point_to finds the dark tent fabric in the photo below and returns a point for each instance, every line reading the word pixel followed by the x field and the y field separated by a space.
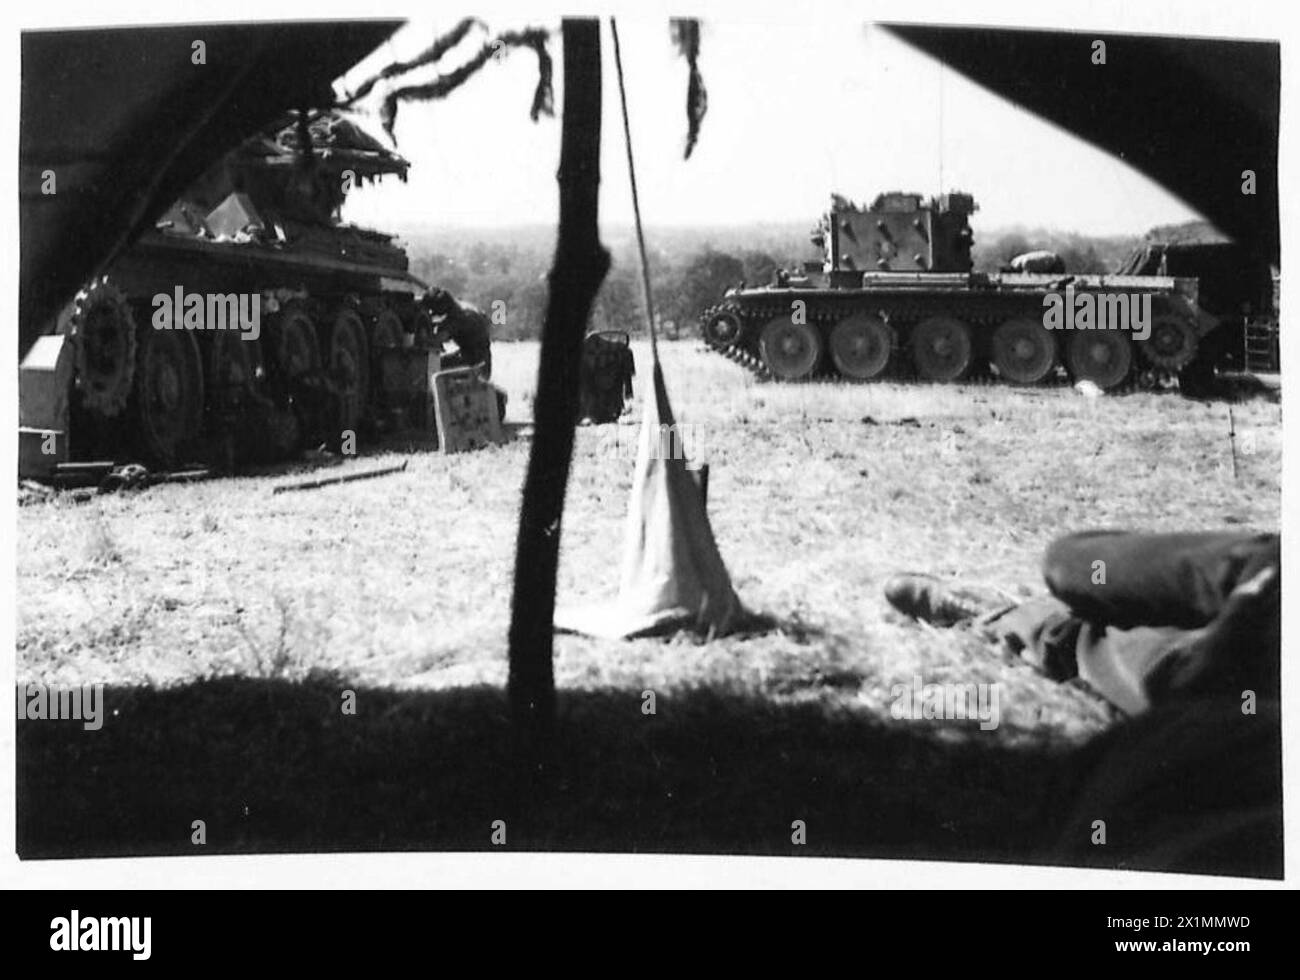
pixel 1191 113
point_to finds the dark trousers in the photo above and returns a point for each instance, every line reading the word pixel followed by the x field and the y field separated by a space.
pixel 1147 618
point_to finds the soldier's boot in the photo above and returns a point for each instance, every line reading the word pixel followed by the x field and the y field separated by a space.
pixel 929 598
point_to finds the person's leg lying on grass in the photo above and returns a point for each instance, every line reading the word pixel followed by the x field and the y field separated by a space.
pixel 1140 618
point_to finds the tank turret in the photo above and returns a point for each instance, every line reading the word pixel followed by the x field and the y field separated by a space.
pixel 898 233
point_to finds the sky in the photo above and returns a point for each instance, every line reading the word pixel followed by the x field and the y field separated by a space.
pixel 797 109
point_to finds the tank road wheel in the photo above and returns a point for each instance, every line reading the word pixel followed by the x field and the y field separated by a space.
pixel 1024 351
pixel 1103 357
pixel 790 350
pixel 389 373
pixel 941 349
pixel 104 333
pixel 237 411
pixel 347 362
pixel 386 330
pixel 234 367
pixel 860 346
pixel 168 397
pixel 295 350
pixel 1172 343
pixel 720 327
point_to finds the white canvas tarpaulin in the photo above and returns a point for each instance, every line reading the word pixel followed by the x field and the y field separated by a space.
pixel 673 577
pixel 672 574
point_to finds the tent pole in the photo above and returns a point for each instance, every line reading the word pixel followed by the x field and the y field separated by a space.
pixel 579 267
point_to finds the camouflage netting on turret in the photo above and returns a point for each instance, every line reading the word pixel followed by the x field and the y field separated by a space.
pixel 300 168
pixel 336 142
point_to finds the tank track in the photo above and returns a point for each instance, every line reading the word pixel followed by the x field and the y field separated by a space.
pixel 1146 374
pixel 753 316
pixel 734 352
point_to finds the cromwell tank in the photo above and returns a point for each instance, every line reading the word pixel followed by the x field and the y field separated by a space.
pixel 250 322
pixel 895 295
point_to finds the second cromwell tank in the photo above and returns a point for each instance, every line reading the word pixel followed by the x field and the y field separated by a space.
pixel 895 294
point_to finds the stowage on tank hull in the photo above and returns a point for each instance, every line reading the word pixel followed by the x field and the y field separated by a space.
pixel 895 295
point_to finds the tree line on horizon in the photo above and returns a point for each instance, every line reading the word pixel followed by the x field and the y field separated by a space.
pixel 505 275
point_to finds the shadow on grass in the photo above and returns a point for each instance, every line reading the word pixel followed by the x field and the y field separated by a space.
pixel 1240 387
pixel 275 766
pixel 410 442
pixel 1226 387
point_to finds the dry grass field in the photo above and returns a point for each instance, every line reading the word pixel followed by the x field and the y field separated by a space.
pixel 225 622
